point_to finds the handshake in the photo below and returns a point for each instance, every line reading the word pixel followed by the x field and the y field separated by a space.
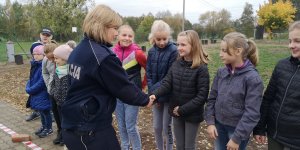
pixel 152 100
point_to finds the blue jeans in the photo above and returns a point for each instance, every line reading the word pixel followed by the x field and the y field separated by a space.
pixel 224 134
pixel 127 116
pixel 162 124
pixel 46 118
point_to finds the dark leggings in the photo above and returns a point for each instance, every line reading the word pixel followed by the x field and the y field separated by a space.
pixel 104 139
pixel 56 113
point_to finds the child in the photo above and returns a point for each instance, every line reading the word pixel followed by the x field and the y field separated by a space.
pixel 72 44
pixel 132 58
pixel 59 84
pixel 160 58
pixel 280 113
pixel 37 91
pixel 188 83
pixel 232 110
pixel 46 35
pixel 48 71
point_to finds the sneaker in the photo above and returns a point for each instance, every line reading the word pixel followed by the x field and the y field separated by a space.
pixel 45 133
pixel 34 115
pixel 39 131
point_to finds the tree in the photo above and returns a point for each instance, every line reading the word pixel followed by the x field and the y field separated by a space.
pixel 276 16
pixel 174 21
pixel 144 28
pixel 163 14
pixel 296 4
pixel 247 21
pixel 199 29
pixel 133 22
pixel 60 15
pixel 215 23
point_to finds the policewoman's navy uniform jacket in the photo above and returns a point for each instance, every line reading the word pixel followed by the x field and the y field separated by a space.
pixel 96 80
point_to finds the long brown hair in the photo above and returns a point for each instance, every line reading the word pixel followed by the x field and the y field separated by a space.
pixel 235 40
pixel 198 54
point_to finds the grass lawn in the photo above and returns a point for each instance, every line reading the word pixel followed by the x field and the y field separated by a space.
pixel 18 49
pixel 269 54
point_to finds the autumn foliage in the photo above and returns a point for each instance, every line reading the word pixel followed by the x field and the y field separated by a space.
pixel 276 16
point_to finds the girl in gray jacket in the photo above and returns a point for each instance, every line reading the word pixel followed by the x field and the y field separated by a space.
pixel 233 105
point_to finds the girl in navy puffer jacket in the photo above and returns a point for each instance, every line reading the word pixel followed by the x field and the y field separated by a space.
pixel 37 91
pixel 160 58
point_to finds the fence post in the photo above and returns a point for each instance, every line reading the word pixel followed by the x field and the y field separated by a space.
pixel 10 51
pixel 144 48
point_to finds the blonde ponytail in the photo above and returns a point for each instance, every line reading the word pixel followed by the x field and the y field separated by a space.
pixel 252 52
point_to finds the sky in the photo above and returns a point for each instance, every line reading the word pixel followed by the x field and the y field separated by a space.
pixel 193 8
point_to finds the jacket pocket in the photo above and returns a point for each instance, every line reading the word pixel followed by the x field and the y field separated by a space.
pixel 90 108
pixel 237 110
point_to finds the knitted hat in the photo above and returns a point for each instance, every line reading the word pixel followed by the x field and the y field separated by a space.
pixel 63 51
pixel 38 50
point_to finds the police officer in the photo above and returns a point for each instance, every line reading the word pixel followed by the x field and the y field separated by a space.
pixel 96 80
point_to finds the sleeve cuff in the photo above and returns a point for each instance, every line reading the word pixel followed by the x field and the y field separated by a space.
pixel 236 139
pixel 210 121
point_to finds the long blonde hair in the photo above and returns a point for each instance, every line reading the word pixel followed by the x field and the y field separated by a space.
pixel 97 22
pixel 235 40
pixel 159 26
pixel 198 54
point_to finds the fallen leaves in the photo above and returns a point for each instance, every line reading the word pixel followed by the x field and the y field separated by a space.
pixel 13 79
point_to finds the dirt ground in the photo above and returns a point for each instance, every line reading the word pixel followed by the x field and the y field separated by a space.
pixel 12 90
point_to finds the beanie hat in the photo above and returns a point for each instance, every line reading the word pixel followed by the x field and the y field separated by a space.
pixel 63 51
pixel 38 50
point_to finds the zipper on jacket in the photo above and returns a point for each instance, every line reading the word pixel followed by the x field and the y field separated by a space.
pixel 276 122
pixel 181 82
pixel 157 67
pixel 230 78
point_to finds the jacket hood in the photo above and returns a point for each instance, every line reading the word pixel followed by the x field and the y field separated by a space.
pixel 247 66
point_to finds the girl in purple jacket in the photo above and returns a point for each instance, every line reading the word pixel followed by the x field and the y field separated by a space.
pixel 233 105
